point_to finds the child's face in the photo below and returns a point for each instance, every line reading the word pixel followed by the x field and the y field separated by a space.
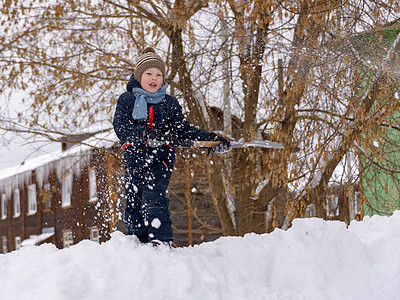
pixel 152 80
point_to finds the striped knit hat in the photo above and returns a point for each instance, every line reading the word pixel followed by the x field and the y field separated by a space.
pixel 148 59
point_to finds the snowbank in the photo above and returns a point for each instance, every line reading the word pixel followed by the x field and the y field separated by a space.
pixel 314 259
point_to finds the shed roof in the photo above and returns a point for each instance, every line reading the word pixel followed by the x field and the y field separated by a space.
pixel 37 239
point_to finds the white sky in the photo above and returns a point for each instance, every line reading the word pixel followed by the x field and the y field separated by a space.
pixel 14 149
pixel 18 151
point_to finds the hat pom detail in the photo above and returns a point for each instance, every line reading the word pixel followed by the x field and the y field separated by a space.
pixel 149 50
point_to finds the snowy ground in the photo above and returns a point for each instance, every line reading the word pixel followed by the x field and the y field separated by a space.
pixel 314 259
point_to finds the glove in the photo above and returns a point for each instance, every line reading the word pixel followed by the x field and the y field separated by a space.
pixel 224 146
pixel 153 137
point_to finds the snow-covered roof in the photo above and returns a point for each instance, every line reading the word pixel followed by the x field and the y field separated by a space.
pixel 63 159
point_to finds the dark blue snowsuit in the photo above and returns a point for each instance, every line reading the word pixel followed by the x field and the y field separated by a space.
pixel 148 170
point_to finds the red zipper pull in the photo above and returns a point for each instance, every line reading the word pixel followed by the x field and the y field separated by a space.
pixel 151 117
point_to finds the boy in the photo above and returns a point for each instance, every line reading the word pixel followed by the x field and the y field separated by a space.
pixel 144 115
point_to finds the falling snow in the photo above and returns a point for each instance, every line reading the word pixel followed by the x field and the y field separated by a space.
pixel 156 223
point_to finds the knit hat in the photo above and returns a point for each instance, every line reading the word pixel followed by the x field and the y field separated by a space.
pixel 148 59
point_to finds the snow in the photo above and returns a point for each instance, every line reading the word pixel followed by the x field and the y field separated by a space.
pixel 35 239
pixel 314 259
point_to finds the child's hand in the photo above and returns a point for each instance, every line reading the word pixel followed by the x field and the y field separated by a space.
pixel 224 146
pixel 153 137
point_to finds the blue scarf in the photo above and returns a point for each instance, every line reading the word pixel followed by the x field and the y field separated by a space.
pixel 143 98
